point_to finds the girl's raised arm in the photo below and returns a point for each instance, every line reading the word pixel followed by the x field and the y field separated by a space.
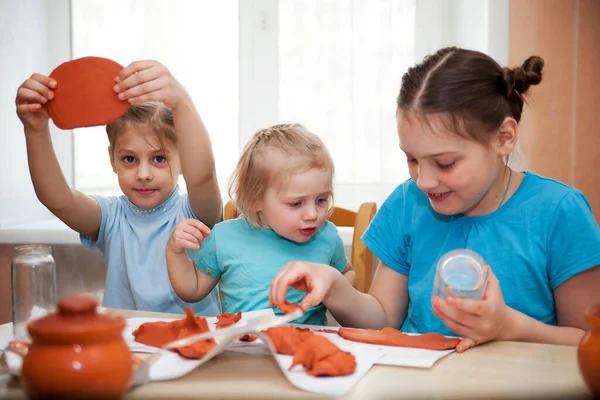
pixel 79 211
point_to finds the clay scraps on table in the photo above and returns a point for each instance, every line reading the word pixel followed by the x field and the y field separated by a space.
pixel 227 319
pixel 393 337
pixel 316 353
pixel 160 333
pixel 326 330
pixel 247 338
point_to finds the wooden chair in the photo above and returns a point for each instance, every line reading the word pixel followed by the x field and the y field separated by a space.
pixel 361 257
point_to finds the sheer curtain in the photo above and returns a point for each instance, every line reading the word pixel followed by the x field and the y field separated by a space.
pixel 339 64
pixel 196 40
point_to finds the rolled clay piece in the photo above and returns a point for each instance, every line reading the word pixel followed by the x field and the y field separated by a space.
pixel 84 94
pixel 393 337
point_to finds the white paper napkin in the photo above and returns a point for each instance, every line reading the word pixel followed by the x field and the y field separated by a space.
pixel 333 385
pixel 171 365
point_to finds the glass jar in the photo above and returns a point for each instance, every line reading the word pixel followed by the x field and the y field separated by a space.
pixel 33 281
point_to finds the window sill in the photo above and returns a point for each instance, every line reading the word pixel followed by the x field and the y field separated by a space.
pixel 48 231
pixel 54 231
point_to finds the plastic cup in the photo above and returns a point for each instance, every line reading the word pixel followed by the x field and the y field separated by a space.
pixel 461 273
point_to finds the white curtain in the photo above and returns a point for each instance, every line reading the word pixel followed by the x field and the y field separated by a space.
pixel 339 66
pixel 196 40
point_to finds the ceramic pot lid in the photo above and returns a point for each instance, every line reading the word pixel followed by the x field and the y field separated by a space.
pixel 76 321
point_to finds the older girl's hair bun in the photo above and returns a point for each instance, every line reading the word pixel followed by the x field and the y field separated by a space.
pixel 518 80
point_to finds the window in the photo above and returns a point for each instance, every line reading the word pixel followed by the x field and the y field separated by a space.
pixel 340 64
pixel 334 66
pixel 196 40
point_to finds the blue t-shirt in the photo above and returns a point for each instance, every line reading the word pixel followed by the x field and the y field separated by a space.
pixel 134 242
pixel 542 236
pixel 246 259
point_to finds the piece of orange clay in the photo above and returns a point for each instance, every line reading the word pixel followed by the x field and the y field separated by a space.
pixel 160 333
pixel 393 337
pixel 84 94
pixel 286 339
pixel 227 319
pixel 321 357
pixel 286 307
pixel 247 338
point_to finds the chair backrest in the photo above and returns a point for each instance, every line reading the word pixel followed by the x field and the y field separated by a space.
pixel 360 256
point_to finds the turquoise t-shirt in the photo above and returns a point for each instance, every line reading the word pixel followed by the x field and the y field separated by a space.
pixel 133 241
pixel 542 236
pixel 246 259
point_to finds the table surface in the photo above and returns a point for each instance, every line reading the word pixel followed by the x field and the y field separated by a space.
pixel 493 370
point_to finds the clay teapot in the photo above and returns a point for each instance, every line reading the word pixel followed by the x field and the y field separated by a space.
pixel 77 353
pixel 588 353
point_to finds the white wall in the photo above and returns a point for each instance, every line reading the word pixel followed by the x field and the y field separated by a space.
pixel 34 37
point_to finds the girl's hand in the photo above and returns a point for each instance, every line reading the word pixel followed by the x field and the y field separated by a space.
pixel 314 279
pixel 188 234
pixel 477 321
pixel 143 81
pixel 31 97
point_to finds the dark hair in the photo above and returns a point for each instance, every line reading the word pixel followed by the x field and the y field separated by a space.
pixel 469 88
pixel 153 114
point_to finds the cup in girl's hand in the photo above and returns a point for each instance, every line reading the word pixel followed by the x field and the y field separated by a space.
pixel 460 273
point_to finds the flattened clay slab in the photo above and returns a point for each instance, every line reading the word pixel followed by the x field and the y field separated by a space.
pixel 393 337
pixel 159 334
pixel 84 95
pixel 227 319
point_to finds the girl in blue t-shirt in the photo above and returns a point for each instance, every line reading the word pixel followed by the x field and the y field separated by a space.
pixel 458 114
pixel 149 147
pixel 283 189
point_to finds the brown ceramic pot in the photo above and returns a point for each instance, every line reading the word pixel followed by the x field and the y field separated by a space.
pixel 77 353
pixel 588 353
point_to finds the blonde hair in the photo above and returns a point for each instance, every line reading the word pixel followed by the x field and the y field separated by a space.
pixel 153 114
pixel 255 173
